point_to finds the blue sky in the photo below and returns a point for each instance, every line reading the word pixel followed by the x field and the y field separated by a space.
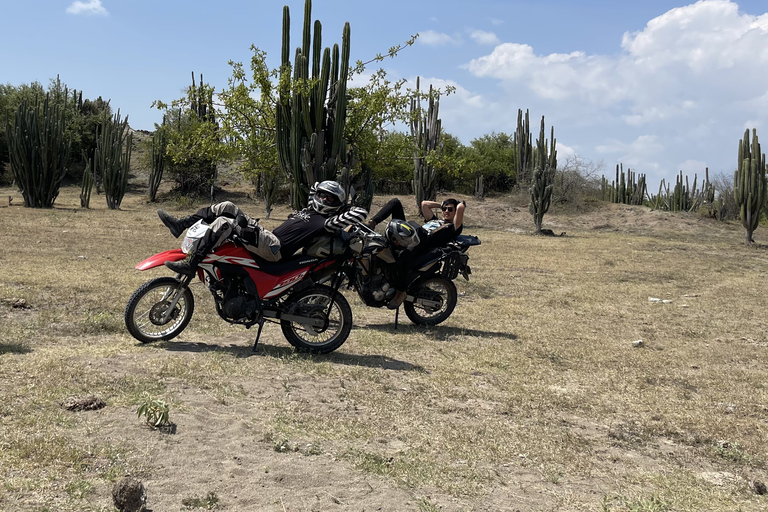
pixel 659 86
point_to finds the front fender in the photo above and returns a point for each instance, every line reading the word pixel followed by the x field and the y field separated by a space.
pixel 160 258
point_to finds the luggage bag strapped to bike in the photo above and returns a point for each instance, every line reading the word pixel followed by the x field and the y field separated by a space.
pixel 456 260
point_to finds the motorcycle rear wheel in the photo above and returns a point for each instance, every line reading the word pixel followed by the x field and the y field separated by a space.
pixel 313 302
pixel 143 314
pixel 434 289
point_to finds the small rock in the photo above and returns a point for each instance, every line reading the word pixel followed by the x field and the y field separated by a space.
pixel 654 299
pixel 758 487
pixel 638 343
pixel 129 495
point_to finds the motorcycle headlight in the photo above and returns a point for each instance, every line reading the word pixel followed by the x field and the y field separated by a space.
pixel 188 244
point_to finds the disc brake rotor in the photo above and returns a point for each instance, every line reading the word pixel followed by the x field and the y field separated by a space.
pixel 158 311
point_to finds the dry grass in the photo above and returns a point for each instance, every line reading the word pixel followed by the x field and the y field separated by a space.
pixel 530 397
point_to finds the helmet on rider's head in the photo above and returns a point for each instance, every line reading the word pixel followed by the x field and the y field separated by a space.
pixel 402 234
pixel 327 197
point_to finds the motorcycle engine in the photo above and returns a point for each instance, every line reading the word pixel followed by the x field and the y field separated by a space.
pixel 237 304
pixel 372 283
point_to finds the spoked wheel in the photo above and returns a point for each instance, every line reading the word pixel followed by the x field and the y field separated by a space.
pixel 433 301
pixel 145 314
pixel 313 303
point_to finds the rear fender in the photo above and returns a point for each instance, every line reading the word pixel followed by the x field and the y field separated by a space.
pixel 159 259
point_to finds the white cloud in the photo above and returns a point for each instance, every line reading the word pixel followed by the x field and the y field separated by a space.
pixel 432 38
pixel 691 167
pixel 496 22
pixel 483 37
pixel 679 90
pixel 563 151
pixel 89 7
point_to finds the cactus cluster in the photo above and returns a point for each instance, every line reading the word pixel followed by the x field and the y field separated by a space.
pixel 749 183
pixel 686 197
pixel 312 108
pixel 628 188
pixel 38 151
pixel 544 168
pixel 426 133
pixel 112 159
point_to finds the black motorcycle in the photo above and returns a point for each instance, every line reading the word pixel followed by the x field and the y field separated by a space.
pixel 432 295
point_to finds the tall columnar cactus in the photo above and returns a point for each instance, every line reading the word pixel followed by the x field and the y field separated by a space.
pixel 749 184
pixel 157 156
pixel 524 149
pixel 38 151
pixel 87 184
pixel 113 159
pixel 312 108
pixel 425 131
pixel 544 168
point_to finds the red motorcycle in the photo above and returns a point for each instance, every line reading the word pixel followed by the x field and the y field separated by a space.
pixel 248 291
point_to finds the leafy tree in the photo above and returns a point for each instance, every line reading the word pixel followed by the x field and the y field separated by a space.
pixel 194 143
pixel 493 157
pixel 247 117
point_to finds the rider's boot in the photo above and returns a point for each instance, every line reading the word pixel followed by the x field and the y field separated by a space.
pixel 397 300
pixel 177 226
pixel 188 266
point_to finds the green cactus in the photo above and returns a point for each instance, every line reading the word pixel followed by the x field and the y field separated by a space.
pixel 523 155
pixel 544 168
pixel 157 157
pixel 87 184
pixel 38 151
pixel 112 159
pixel 749 185
pixel 312 109
pixel 627 188
pixel 426 134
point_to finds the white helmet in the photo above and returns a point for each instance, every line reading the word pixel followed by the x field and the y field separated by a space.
pixel 327 197
pixel 402 234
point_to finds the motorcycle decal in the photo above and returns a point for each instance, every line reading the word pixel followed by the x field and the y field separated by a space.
pixel 233 260
pixel 285 284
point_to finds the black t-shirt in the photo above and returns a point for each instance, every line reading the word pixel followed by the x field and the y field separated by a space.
pixel 436 233
pixel 299 229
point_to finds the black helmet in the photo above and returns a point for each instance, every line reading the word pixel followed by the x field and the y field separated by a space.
pixel 327 197
pixel 402 234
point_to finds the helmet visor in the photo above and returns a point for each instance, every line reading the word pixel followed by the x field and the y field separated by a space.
pixel 327 198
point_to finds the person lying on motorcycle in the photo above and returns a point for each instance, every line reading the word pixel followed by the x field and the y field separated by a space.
pixel 452 213
pixel 323 214
pixel 411 240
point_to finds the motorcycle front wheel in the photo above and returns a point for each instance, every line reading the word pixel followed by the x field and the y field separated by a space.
pixel 313 302
pixel 147 306
pixel 433 301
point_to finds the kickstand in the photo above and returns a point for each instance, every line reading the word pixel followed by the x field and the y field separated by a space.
pixel 397 314
pixel 258 334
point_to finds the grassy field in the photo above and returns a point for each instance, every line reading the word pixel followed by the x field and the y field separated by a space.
pixel 533 396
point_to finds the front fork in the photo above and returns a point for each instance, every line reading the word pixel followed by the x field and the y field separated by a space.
pixel 174 295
